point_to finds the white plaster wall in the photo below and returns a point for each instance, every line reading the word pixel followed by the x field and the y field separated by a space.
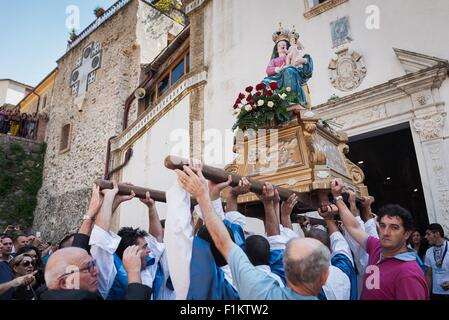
pixel 146 167
pixel 15 93
pixel 238 44
pixel 10 92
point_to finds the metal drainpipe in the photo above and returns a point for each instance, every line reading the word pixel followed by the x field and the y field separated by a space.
pixel 131 98
pixel 38 101
pixel 108 158
pixel 128 102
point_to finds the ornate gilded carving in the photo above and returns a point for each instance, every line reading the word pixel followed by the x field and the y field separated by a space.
pixel 347 71
pixel 429 127
pixel 330 151
pixel 232 168
pixel 355 172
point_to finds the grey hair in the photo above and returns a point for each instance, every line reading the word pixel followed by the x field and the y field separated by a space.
pixel 309 269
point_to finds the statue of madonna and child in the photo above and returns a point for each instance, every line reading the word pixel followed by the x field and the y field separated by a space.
pixel 289 66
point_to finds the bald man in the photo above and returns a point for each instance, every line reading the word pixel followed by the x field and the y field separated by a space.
pixel 71 274
pixel 306 261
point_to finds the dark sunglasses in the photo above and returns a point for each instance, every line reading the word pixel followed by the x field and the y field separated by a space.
pixel 26 263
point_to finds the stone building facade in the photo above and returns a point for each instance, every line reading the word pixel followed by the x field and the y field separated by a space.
pixel 87 107
pixel 374 69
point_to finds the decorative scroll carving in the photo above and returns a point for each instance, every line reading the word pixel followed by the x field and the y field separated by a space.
pixel 355 172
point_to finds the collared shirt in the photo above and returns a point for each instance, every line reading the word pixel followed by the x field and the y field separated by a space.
pixel 440 274
pixel 267 270
pixel 103 246
pixel 255 284
pixel 338 285
pixel 393 278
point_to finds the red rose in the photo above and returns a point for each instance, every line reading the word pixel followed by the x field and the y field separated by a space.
pixel 249 89
pixel 258 93
pixel 254 107
pixel 238 101
pixel 260 86
pixel 234 106
pixel 273 85
pixel 269 93
pixel 241 96
pixel 249 97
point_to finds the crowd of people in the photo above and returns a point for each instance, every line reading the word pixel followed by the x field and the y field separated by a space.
pixel 18 124
pixel 205 252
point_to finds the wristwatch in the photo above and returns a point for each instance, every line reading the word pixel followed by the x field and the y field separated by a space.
pixel 86 217
pixel 338 198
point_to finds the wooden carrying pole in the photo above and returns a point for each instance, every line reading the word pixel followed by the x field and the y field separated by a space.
pixel 125 189
pixel 218 175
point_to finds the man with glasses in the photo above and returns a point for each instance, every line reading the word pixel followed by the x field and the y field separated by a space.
pixel 71 274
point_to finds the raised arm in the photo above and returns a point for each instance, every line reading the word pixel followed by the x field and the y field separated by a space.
pixel 242 188
pixel 155 228
pixel 366 212
pixel 286 210
pixel 197 186
pixel 271 219
pixel 94 207
pixel 103 219
pixel 352 203
pixel 349 221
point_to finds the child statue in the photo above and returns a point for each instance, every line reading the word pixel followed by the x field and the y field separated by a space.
pixel 295 54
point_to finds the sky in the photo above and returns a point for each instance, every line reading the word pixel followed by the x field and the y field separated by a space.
pixel 34 34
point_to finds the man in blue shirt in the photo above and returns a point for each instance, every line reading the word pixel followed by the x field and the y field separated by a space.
pixel 306 261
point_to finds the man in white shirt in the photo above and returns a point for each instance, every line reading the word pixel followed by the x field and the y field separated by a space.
pixel 108 247
pixel 437 263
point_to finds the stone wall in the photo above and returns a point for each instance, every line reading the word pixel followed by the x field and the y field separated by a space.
pixel 21 162
pixel 68 176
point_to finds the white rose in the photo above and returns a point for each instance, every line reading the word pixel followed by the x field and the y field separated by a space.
pixel 288 89
pixel 270 104
pixel 282 96
pixel 260 102
pixel 248 108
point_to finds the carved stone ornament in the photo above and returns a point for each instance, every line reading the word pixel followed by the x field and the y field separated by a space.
pixel 347 71
pixel 429 127
pixel 84 72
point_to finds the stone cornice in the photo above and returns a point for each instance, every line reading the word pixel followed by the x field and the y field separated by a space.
pixel 320 8
pixel 394 89
pixel 412 61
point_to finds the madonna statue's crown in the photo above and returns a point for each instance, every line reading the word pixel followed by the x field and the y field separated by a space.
pixel 281 34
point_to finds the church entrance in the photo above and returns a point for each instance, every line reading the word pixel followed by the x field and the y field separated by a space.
pixel 388 159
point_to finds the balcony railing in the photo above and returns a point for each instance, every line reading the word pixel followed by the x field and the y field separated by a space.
pixel 98 22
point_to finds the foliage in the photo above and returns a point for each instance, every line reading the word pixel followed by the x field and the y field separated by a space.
pixel 168 5
pixel 20 181
pixel 265 104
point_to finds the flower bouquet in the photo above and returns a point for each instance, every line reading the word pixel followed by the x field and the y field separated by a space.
pixel 263 104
